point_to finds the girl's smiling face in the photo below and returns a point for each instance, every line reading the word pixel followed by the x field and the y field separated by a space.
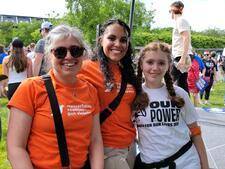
pixel 154 65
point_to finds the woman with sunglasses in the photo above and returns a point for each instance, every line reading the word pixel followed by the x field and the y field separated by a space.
pixel 31 139
pixel 104 71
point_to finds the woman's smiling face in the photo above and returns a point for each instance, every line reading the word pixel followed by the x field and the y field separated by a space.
pixel 115 42
pixel 69 66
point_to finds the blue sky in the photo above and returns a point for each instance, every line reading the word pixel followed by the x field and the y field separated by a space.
pixel 202 14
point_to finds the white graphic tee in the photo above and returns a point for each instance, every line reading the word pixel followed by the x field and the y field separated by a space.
pixel 162 128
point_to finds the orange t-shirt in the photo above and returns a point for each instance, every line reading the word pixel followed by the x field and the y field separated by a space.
pixel 117 130
pixel 78 105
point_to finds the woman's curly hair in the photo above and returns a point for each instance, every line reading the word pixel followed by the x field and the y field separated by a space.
pixel 126 63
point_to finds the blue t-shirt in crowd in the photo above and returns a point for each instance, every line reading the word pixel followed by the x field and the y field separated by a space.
pixel 2 55
pixel 200 62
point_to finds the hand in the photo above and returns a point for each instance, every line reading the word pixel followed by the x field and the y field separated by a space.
pixel 3 92
pixel 181 64
pixel 184 64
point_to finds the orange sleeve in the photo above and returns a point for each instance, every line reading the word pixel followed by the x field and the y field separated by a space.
pixel 94 97
pixel 91 72
pixel 23 98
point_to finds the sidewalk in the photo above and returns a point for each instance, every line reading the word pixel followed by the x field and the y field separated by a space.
pixel 212 122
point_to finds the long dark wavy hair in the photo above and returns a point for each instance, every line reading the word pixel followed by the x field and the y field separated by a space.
pixel 155 46
pixel 17 59
pixel 126 63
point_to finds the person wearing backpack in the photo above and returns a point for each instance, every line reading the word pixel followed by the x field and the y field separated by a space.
pixel 40 60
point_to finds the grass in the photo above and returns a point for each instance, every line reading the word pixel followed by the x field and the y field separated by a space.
pixel 216 101
pixel 4 164
pixel 216 98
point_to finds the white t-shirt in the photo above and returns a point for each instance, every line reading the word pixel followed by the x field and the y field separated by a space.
pixel 15 77
pixel 31 56
pixel 180 26
pixel 162 128
pixel 223 54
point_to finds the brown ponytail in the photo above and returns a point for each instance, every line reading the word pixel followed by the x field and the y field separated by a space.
pixel 178 101
pixel 141 101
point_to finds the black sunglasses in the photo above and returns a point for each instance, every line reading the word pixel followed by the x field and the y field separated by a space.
pixel 61 52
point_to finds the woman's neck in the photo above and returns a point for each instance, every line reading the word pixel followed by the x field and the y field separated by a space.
pixel 67 80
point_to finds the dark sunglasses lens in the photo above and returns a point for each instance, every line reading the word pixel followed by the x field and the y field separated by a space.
pixel 60 52
pixel 76 51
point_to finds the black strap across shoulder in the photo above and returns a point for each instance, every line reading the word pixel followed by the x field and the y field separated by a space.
pixel 104 114
pixel 57 121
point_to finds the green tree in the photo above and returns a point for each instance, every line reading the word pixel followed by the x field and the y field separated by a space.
pixel 86 15
pixel 27 32
pixel 214 32
pixel 6 32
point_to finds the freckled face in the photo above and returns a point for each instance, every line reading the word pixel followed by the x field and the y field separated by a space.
pixel 115 42
pixel 154 66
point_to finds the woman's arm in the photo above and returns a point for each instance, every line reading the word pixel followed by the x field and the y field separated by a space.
pixel 5 72
pixel 17 136
pixel 29 68
pixel 96 153
pixel 4 66
pixel 199 144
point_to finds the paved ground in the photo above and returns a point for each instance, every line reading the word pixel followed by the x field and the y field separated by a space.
pixel 212 122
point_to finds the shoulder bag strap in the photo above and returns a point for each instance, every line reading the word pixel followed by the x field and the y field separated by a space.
pixel 58 122
pixel 116 101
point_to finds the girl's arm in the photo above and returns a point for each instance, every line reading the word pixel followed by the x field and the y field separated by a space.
pixel 96 153
pixel 199 144
pixel 17 136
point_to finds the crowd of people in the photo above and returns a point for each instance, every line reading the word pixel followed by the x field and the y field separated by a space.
pixel 106 106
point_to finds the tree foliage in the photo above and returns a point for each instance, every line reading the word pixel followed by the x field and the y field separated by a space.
pixel 6 32
pixel 199 39
pixel 214 32
pixel 86 15
pixel 27 32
